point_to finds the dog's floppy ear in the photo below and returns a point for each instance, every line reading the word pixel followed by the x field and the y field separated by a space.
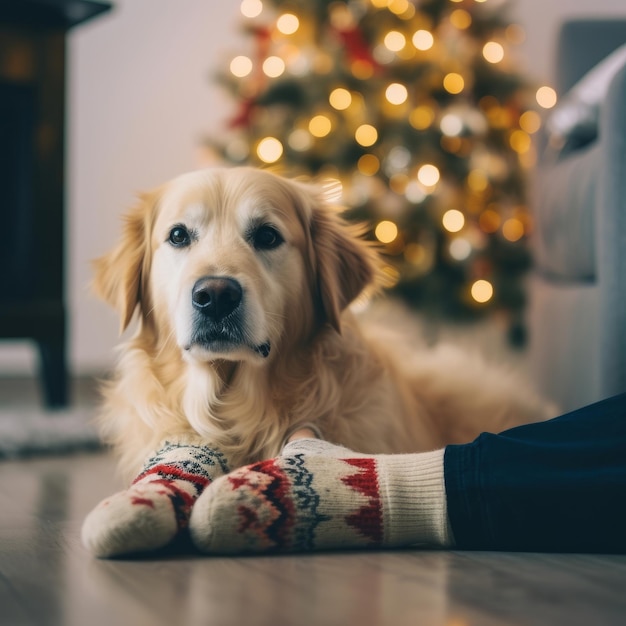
pixel 345 264
pixel 121 274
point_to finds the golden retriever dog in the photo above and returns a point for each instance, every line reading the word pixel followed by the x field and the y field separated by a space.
pixel 241 281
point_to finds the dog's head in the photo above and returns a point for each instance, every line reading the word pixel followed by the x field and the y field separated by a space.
pixel 232 264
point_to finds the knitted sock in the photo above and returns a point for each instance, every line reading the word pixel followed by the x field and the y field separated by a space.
pixel 157 506
pixel 320 496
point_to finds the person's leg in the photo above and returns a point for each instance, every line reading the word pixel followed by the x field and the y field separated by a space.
pixel 551 486
pixel 319 496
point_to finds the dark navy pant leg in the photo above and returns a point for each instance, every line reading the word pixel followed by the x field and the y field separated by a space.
pixel 555 486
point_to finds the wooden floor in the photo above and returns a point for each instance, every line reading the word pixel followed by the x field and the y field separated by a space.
pixel 48 579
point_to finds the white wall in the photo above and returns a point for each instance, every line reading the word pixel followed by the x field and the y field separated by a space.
pixel 141 97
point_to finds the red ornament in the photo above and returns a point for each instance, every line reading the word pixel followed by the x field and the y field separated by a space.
pixel 243 117
pixel 356 45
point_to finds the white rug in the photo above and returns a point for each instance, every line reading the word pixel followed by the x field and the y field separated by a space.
pixel 26 432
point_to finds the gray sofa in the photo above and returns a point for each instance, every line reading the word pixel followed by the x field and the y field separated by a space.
pixel 577 311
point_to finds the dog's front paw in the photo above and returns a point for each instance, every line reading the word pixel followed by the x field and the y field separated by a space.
pixel 137 520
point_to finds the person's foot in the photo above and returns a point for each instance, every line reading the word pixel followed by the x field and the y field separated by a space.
pixel 319 496
pixel 157 506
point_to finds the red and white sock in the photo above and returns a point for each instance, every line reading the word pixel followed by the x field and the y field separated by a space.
pixel 158 504
pixel 319 496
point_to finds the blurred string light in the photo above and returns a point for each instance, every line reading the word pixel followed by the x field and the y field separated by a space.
pixel 366 135
pixel 520 141
pixel 300 140
pixel 451 125
pixel 340 98
pixel 421 117
pixel 461 19
pixel 477 180
pixel 394 41
pixel 386 231
pixel 453 220
pixel 398 158
pixel 428 175
pixel 460 249
pixel 423 40
pixel 396 93
pixel 403 8
pixel 287 23
pixel 453 83
pixel 269 150
pixel 241 66
pixel 546 97
pixel 482 291
pixel 251 8
pixel 489 221
pixel 530 121
pixel 368 164
pixel 493 52
pixel 273 66
pixel 362 69
pixel 320 126
pixel 415 192
pixel 513 229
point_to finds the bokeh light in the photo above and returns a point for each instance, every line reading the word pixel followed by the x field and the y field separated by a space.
pixel 421 117
pixel 269 150
pixel 460 249
pixel 513 229
pixel 386 231
pixel 368 164
pixel 451 125
pixel 546 97
pixel 396 93
pixel 395 41
pixel 273 66
pixel 366 135
pixel 300 140
pixel 493 52
pixel 251 8
pixel 530 121
pixel 340 98
pixel 461 19
pixel 423 40
pixel 482 291
pixel 287 23
pixel 453 83
pixel 428 175
pixel 320 126
pixel 453 220
pixel 241 66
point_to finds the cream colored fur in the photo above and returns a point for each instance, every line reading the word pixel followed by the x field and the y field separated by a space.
pixel 364 389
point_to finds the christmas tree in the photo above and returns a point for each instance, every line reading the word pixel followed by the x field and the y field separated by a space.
pixel 416 118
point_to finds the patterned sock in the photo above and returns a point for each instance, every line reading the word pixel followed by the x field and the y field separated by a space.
pixel 157 506
pixel 319 496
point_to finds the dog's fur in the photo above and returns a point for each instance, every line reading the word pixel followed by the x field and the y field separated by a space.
pixel 175 380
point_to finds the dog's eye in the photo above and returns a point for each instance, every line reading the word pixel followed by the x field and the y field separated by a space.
pixel 179 237
pixel 266 237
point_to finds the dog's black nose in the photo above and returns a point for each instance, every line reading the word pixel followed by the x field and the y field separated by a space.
pixel 216 296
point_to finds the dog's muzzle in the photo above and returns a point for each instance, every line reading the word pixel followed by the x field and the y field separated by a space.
pixel 217 302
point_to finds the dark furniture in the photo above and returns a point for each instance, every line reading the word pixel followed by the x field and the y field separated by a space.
pixel 32 116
